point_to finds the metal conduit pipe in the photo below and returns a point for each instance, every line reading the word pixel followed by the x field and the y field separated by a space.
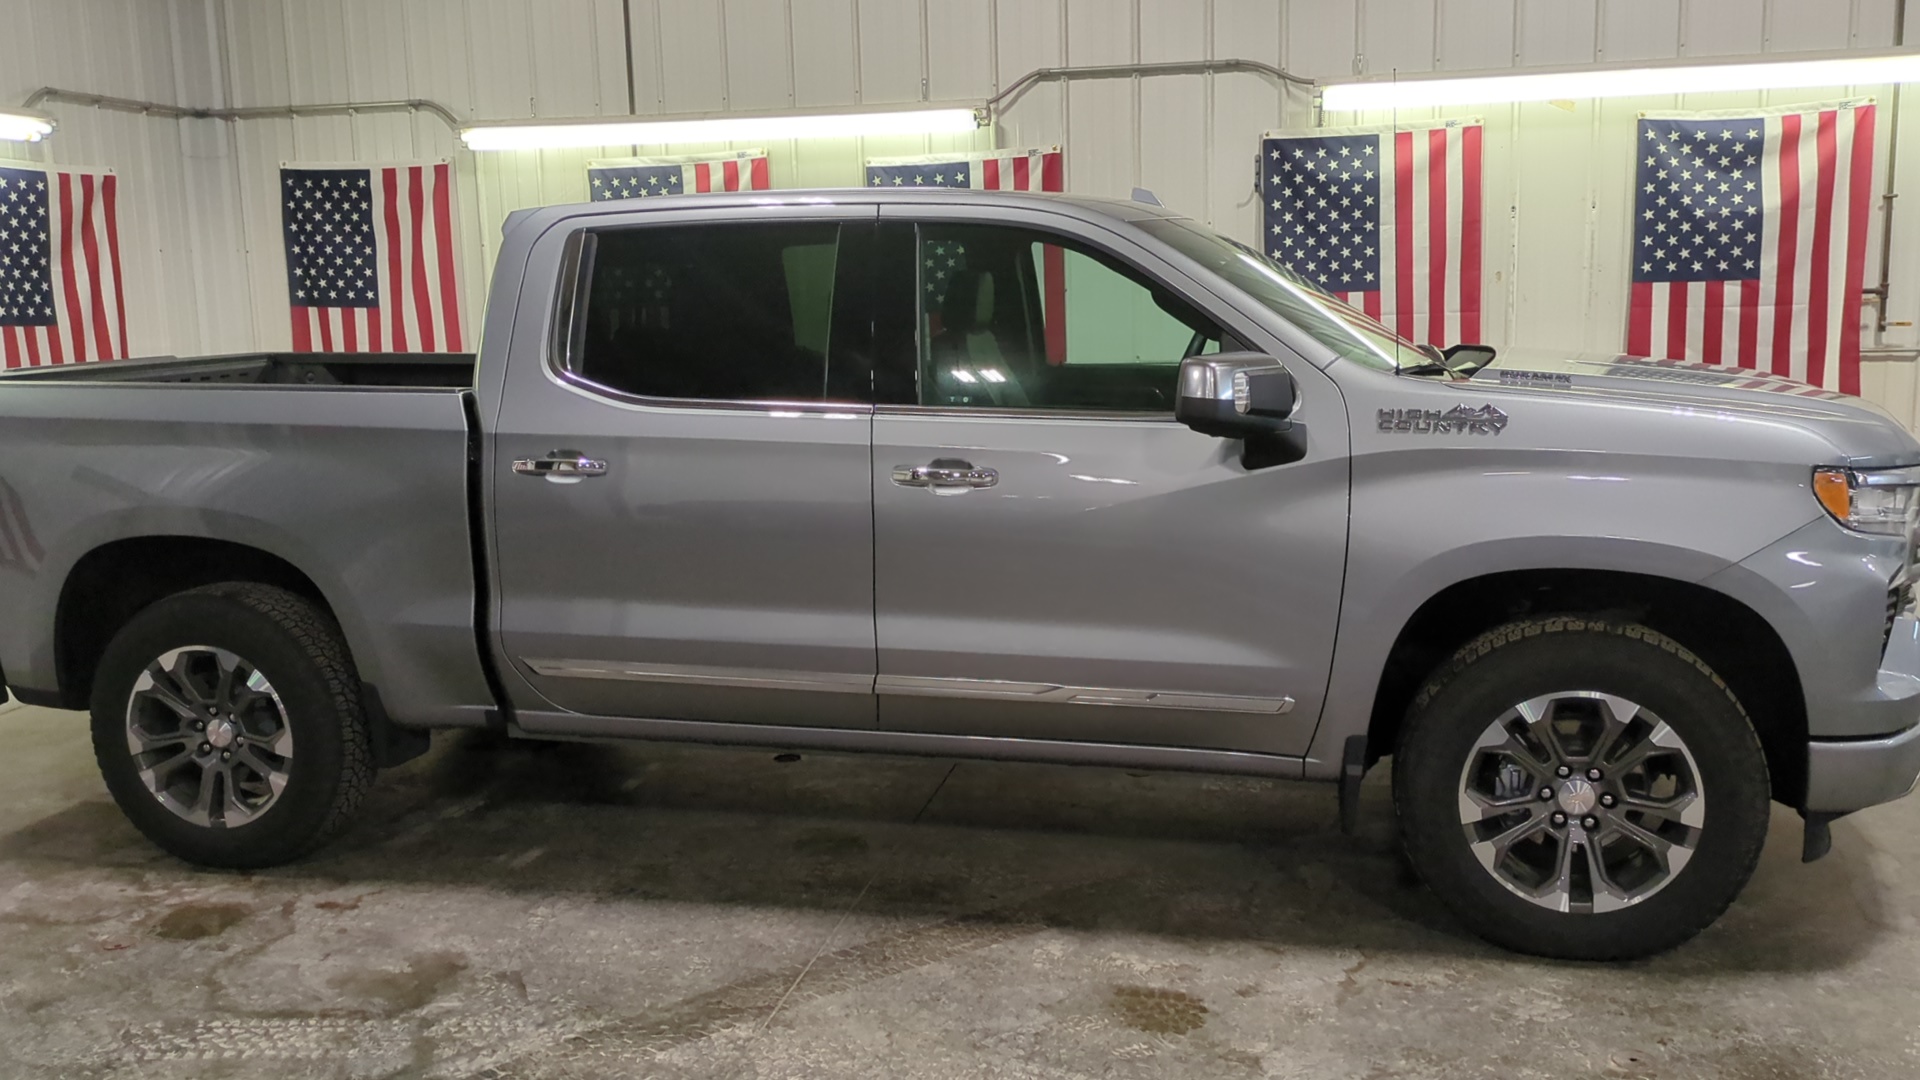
pixel 1126 71
pixel 1887 194
pixel 259 112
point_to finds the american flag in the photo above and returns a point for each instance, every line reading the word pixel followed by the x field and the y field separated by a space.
pixel 990 170
pixel 1750 238
pixel 640 178
pixel 60 298
pixel 1385 218
pixel 370 263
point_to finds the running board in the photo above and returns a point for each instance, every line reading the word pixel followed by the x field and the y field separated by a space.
pixel 552 725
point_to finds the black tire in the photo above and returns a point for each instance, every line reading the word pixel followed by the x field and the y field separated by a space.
pixel 1524 660
pixel 298 648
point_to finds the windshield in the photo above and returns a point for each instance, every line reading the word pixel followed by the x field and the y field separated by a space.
pixel 1346 330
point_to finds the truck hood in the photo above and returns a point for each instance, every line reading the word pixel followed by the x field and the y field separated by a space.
pixel 1865 433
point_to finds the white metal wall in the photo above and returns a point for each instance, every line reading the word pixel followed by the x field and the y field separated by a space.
pixel 212 278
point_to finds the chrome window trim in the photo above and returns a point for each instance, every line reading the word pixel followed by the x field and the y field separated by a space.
pixel 988 412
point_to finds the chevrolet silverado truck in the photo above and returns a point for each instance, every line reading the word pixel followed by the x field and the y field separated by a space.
pixel 985 475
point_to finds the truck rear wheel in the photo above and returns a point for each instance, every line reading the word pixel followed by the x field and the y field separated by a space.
pixel 1581 789
pixel 227 723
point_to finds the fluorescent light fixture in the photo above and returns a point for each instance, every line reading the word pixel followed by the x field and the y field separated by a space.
pixel 20 126
pixel 1648 80
pixel 603 132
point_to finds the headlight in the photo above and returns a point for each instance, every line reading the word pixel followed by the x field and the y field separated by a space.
pixel 1883 501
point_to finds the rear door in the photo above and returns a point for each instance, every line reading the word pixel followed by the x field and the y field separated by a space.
pixel 1055 556
pixel 680 483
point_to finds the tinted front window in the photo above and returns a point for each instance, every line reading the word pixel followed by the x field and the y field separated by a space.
pixel 1012 318
pixel 1345 330
pixel 727 312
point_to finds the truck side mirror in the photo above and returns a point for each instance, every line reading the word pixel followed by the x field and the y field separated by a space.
pixel 1237 395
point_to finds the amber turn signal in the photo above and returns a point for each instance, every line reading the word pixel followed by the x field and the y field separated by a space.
pixel 1835 491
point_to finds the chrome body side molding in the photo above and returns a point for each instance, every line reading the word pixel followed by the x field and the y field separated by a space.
pixel 1049 693
pixel 905 685
pixel 830 682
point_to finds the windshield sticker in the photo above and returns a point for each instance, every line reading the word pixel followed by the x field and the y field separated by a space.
pixel 1485 420
pixel 1534 378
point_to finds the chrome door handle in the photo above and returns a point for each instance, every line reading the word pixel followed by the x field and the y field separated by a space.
pixel 561 467
pixel 944 473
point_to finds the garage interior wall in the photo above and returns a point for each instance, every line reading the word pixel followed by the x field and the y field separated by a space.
pixel 201 228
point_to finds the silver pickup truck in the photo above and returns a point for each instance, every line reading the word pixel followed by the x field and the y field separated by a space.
pixel 986 475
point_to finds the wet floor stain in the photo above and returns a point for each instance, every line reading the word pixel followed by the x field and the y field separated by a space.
pixel 829 842
pixel 1158 1010
pixel 388 993
pixel 191 922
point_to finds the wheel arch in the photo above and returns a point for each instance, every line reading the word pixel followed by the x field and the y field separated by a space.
pixel 114 581
pixel 1732 638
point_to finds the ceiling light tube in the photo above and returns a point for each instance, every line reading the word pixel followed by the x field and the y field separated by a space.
pixel 1644 81
pixel 19 125
pixel 604 132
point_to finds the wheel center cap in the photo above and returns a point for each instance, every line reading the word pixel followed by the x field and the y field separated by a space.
pixel 221 732
pixel 1577 796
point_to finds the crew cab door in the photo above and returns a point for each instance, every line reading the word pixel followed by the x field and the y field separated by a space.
pixel 1055 556
pixel 679 485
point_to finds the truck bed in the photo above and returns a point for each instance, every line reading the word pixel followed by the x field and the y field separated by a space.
pixel 408 370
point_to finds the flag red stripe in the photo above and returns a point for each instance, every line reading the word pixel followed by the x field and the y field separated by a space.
pixel 90 245
pixel 32 340
pixel 761 180
pixel 1053 271
pixel 1789 237
pixel 373 329
pixel 1640 320
pixel 350 327
pixel 422 303
pixel 302 330
pixel 1023 172
pixel 730 175
pixel 325 320
pixel 76 320
pixel 1053 168
pixel 1712 323
pixel 703 177
pixel 1437 237
pixel 1403 234
pixel 390 186
pixel 443 247
pixel 12 340
pixel 109 195
pixel 1821 257
pixel 1860 174
pixel 990 174
pixel 1749 322
pixel 1676 321
pixel 1470 233
pixel 1370 303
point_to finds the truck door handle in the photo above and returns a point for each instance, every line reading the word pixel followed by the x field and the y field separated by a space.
pixel 945 473
pixel 561 467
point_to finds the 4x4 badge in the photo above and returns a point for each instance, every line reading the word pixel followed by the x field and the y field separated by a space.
pixel 1485 420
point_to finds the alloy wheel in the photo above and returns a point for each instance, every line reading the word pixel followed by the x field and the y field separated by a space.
pixel 1581 802
pixel 210 736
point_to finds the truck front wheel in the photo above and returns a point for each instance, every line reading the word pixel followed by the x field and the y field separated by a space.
pixel 1581 789
pixel 228 726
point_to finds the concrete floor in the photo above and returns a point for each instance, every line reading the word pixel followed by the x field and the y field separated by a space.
pixel 552 910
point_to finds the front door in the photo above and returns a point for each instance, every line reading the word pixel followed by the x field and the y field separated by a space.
pixel 680 485
pixel 1056 557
